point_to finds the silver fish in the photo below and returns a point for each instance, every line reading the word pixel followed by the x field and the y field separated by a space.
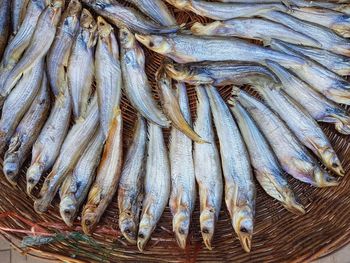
pixel 266 168
pixel 75 188
pixel 187 48
pixel 107 178
pixel 333 86
pixel 337 63
pixel 20 41
pixel 18 102
pixel 337 21
pixel 80 71
pixel 207 169
pixel 40 43
pixel 319 107
pixel 253 28
pixel 334 5
pixel 136 84
pixel 239 184
pixel 220 73
pixel 326 37
pixel 108 73
pixel 183 182
pixel 48 145
pixel 301 123
pixel 18 10
pixel 293 157
pixel 157 10
pixel 26 133
pixel 225 11
pixel 74 144
pixel 130 192
pixel 156 184
pixel 58 55
pixel 122 16
pixel 171 105
pixel 4 24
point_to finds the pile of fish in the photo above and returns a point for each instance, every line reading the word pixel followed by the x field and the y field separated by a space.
pixel 63 68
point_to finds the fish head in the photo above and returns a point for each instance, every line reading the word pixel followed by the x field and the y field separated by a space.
pixel 243 224
pixel 181 227
pixel 89 219
pixel 88 23
pixel 180 4
pixel 331 160
pixel 11 167
pixel 128 226
pixel 342 26
pixel 103 28
pixel 159 44
pixel 289 201
pixel 56 7
pixel 146 228
pixel 207 223
pixel 127 38
pixel 68 209
pixel 74 8
pixel 323 179
pixel 33 176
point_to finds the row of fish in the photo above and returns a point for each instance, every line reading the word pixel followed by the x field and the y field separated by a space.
pixel 65 51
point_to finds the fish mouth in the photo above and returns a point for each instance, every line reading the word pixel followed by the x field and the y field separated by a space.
pixel 246 241
pixel 323 179
pixel 128 229
pixel 89 222
pixel 244 229
pixel 68 210
pixel 142 240
pixel 11 170
pixel 207 236
pixel 291 204
pixel 41 205
pixel 33 174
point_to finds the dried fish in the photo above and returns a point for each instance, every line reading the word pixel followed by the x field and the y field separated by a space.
pixel 293 157
pixel 80 70
pixel 239 184
pixel 207 169
pixel 136 84
pixel 267 170
pixel 26 133
pixel 108 73
pixel 18 11
pixel 319 107
pixel 187 48
pixel 4 24
pixel 47 146
pixel 253 28
pixel 157 185
pixel 76 186
pixel 130 192
pixel 183 182
pixel 57 57
pixel 74 144
pixel 107 178
pixel 122 16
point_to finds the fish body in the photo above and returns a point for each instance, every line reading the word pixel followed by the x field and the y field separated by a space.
pixel 130 192
pixel 80 71
pixel 18 11
pixel 220 73
pixel 337 21
pixel 183 182
pixel 239 184
pixel 40 43
pixel 333 86
pixel 156 185
pixel 293 156
pixel 304 127
pixel 265 165
pixel 157 10
pixel 172 108
pixel 4 24
pixel 19 101
pixel 207 169
pixel 318 106
pixel 136 85
pixel 328 39
pixel 57 58
pixel 122 16
pixel 26 133
pixel 187 48
pixel 225 11
pixel 76 186
pixel 253 28
pixel 107 177
pixel 108 73
pixel 74 144
pixel 48 145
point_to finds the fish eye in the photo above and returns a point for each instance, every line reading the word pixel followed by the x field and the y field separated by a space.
pixel 205 230
pixel 141 236
pixel 31 181
pixel 335 165
pixel 181 231
pixel 127 231
pixel 67 212
pixel 243 230
pixel 87 222
pixel 151 44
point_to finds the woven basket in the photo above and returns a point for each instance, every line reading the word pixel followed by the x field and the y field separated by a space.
pixel 279 235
